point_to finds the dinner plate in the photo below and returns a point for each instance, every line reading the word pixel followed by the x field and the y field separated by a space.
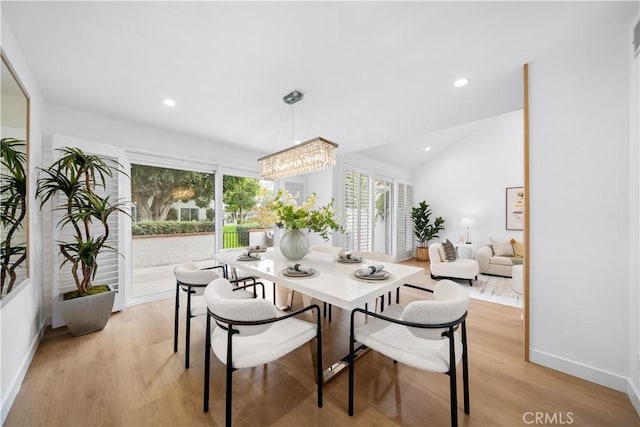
pixel 248 258
pixel 295 273
pixel 378 275
pixel 349 260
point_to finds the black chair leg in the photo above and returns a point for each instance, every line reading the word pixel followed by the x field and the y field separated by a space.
pixel 330 310
pixel 207 360
pixel 188 331
pixel 175 326
pixel 351 368
pixel 228 412
pixel 465 368
pixel 470 282
pixel 319 373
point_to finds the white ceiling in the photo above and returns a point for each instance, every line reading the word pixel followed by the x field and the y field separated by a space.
pixel 373 73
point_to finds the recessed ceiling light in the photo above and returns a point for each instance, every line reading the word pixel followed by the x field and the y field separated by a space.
pixel 169 102
pixel 427 149
pixel 297 142
pixel 461 82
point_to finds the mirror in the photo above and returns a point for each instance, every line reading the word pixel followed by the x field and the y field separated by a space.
pixel 14 135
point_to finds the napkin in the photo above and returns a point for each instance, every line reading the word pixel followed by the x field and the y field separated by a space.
pixel 369 270
pixel 345 256
pixel 250 254
pixel 258 248
pixel 300 268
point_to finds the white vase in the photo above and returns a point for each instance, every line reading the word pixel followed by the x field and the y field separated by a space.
pixel 294 245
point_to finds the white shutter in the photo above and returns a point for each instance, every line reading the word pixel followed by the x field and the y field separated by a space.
pixel 404 225
pixel 358 212
pixel 297 190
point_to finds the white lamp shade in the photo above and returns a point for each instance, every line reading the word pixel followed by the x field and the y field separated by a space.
pixel 467 222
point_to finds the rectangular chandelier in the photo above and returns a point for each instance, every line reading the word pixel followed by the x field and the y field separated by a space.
pixel 310 156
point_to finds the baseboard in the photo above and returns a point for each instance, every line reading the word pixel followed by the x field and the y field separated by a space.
pixel 589 373
pixel 16 383
pixel 634 396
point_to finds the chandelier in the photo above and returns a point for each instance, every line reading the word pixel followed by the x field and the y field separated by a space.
pixel 310 156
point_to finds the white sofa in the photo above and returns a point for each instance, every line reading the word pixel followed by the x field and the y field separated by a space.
pixel 493 264
pixel 459 269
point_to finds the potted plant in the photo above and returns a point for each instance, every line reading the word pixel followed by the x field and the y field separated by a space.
pixel 424 229
pixel 13 210
pixel 74 183
pixel 294 244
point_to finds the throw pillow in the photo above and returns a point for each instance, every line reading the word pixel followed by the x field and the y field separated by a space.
pixel 518 248
pixel 443 256
pixel 449 251
pixel 502 248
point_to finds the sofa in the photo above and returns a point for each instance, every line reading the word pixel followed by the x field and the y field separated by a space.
pixel 466 269
pixel 499 257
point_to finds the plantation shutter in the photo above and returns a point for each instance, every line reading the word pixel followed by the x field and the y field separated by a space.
pixel 358 211
pixel 404 225
pixel 112 266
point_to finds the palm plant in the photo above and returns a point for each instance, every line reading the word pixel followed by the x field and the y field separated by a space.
pixel 13 209
pixel 78 177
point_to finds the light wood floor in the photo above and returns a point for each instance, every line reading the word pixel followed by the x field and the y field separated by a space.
pixel 128 375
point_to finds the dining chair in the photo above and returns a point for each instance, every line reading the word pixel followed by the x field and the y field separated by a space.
pixel 193 280
pixel 253 332
pixel 430 335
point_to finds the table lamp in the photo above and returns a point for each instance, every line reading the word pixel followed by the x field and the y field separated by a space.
pixel 467 223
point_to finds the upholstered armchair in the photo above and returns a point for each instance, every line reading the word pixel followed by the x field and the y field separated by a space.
pixel 466 269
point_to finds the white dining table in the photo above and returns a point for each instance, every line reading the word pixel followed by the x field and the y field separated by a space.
pixel 333 282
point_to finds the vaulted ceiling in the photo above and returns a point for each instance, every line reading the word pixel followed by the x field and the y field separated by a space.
pixel 373 73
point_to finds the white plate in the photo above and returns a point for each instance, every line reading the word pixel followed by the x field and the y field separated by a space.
pixel 349 261
pixel 294 273
pixel 378 275
pixel 248 258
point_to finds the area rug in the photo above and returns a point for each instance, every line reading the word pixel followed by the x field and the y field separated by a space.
pixel 494 289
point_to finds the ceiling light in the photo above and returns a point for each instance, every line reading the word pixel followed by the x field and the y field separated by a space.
pixel 304 157
pixel 427 149
pixel 169 102
pixel 461 82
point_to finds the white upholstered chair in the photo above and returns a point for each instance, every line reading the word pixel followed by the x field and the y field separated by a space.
pixel 423 334
pixel 253 332
pixel 466 269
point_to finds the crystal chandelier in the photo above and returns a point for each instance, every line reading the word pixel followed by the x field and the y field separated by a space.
pixel 310 156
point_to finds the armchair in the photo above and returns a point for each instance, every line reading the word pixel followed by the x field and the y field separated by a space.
pixel 467 269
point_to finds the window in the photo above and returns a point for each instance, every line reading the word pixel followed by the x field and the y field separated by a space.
pixel 404 225
pixel 358 211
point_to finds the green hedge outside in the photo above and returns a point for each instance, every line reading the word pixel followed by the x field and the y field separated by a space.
pixel 149 228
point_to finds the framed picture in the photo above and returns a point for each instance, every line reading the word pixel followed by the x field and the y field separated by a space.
pixel 515 208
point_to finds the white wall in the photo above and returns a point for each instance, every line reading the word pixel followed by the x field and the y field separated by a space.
pixel 21 320
pixel 469 179
pixel 579 207
pixel 633 389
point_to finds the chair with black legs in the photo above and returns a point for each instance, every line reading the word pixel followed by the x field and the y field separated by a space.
pixel 430 335
pixel 252 333
pixel 193 280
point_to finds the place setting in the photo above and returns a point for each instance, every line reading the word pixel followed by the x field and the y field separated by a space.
pixel 298 270
pixel 348 258
pixel 248 255
pixel 257 248
pixel 372 272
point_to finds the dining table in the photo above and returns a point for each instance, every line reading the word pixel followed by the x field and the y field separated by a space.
pixel 334 280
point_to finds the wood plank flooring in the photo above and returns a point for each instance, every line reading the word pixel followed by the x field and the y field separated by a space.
pixel 128 375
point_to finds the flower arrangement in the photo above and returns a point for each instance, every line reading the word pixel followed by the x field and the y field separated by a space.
pixel 293 217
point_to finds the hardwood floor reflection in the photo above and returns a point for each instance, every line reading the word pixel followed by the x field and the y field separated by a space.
pixel 128 375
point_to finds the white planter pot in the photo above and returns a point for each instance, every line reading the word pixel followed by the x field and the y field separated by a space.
pixel 88 314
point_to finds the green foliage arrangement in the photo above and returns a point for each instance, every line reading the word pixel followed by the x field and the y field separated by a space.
pixel 80 177
pixel 423 228
pixel 13 210
pixel 305 217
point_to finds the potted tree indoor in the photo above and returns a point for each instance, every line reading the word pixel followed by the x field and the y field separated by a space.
pixel 424 229
pixel 75 183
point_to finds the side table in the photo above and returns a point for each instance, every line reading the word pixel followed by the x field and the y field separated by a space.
pixel 465 250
